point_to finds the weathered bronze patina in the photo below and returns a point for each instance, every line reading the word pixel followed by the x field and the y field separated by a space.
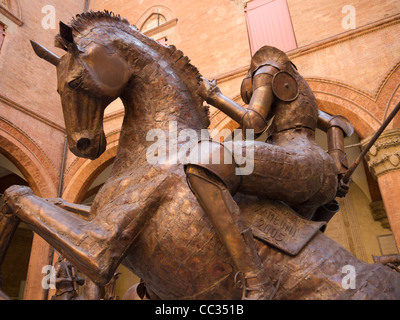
pixel 147 217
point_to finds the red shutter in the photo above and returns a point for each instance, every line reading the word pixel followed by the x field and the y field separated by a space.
pixel 2 34
pixel 269 23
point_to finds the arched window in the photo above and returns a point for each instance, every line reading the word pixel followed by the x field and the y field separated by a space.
pixel 6 4
pixel 158 22
pixel 155 20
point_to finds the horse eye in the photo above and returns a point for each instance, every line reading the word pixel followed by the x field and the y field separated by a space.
pixel 74 83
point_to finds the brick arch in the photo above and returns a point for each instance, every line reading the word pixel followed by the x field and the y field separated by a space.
pixel 366 111
pixel 359 107
pixel 388 94
pixel 37 169
pixel 81 174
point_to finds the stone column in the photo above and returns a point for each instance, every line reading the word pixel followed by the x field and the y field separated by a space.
pixel 384 163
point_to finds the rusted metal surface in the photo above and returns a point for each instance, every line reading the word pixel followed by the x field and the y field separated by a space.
pixel 146 216
pixel 285 86
pixel 395 259
pixel 392 261
pixel 67 281
pixel 283 229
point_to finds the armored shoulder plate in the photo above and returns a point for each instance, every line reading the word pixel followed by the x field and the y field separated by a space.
pixel 285 86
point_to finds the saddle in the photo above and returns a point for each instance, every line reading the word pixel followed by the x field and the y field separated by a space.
pixel 276 224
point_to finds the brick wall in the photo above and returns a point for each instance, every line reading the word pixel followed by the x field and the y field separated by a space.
pixel 211 33
pixel 315 20
pixel 29 83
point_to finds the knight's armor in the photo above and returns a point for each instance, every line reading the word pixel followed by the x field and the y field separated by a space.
pixel 289 166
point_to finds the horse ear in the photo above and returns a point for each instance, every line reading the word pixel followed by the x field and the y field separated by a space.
pixel 59 42
pixel 67 39
pixel 66 33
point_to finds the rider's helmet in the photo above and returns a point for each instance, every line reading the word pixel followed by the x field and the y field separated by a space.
pixel 268 55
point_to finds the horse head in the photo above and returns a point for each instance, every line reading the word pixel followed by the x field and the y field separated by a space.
pixel 89 79
pixel 107 58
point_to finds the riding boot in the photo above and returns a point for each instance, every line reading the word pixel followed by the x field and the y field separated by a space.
pixel 256 284
pixel 222 210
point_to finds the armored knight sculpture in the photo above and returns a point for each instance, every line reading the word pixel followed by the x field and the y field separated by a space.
pixel 148 219
pixel 290 166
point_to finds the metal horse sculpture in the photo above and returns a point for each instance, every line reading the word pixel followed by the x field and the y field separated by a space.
pixel 145 216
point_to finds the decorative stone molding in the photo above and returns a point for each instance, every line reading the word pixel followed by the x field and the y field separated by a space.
pixel 35 151
pixel 163 27
pixel 241 3
pixel 384 155
pixel 345 36
pixel 379 213
pixel 28 112
pixel 11 10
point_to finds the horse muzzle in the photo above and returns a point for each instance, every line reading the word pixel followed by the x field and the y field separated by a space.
pixel 88 146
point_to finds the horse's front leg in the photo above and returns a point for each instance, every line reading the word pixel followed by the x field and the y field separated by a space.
pixel 89 245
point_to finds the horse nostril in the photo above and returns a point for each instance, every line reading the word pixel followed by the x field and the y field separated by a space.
pixel 83 144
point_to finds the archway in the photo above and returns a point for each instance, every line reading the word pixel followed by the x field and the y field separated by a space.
pixel 14 270
pixel 29 159
pixel 24 163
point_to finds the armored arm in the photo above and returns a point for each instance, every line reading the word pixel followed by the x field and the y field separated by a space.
pixel 256 115
pixel 211 93
pixel 337 128
pixel 261 100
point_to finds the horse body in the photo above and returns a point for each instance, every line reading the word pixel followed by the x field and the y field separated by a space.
pixel 177 253
pixel 145 215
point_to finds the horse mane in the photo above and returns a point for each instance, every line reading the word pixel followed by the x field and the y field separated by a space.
pixel 181 63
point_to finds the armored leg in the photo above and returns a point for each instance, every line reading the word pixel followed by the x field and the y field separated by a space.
pixel 216 200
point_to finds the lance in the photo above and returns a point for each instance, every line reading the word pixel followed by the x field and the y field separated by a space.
pixel 353 167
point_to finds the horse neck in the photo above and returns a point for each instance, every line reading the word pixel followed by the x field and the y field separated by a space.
pixel 156 98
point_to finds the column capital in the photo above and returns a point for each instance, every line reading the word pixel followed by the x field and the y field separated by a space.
pixel 384 155
pixel 379 213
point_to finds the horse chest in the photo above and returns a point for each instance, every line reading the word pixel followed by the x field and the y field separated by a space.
pixel 130 190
